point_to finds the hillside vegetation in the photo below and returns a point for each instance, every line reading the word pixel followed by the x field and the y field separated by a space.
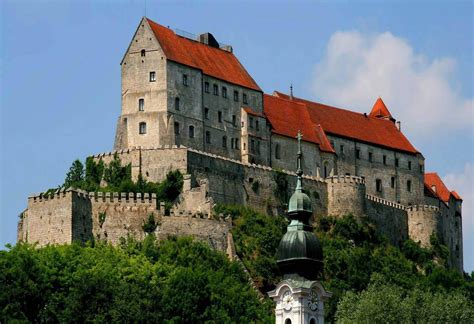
pixel 181 281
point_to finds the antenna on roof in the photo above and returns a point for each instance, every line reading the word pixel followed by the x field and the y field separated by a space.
pixel 291 91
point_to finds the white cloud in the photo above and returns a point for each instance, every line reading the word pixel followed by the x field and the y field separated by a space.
pixel 463 183
pixel 357 68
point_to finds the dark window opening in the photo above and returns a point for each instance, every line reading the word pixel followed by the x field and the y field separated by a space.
pixel 252 146
pixel 234 120
pixel 396 162
pixel 143 52
pixel 141 104
pixel 370 156
pixel 208 137
pixel 224 92
pixel 392 182
pixel 421 168
pixel 206 113
pixel 357 153
pixel 191 131
pixel 176 103
pixel 378 185
pixel 206 87
pixel 215 90
pixel 244 98
pixel 152 76
pixel 185 79
pixel 142 128
pixel 257 127
pixel 384 159
pixel 409 185
pixel 219 116
pixel 236 95
pixel 341 149
pixel 251 122
pixel 176 128
pixel 224 141
pixel 409 165
pixel 277 151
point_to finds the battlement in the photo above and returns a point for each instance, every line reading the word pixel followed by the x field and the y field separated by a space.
pixel 345 179
pixel 58 194
pixel 128 197
pixel 422 208
pixel 386 202
pixel 138 148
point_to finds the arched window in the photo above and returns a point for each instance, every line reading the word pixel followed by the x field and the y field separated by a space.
pixel 224 141
pixel 287 321
pixel 143 53
pixel 312 321
pixel 142 128
pixel 191 131
pixel 141 104
pixel 176 103
pixel 277 151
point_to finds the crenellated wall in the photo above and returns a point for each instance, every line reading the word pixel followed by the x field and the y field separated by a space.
pixel 423 220
pixel 346 195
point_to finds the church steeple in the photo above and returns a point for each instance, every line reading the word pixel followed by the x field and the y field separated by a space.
pixel 299 297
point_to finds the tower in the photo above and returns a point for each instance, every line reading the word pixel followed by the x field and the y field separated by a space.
pixel 299 297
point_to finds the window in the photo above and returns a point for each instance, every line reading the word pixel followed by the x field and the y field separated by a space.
pixel 258 147
pixel 378 185
pixel 237 143
pixel 370 156
pixel 409 165
pixel 185 79
pixel 208 137
pixel 252 146
pixel 358 153
pixel 142 128
pixel 277 151
pixel 244 98
pixel 141 104
pixel 234 120
pixel 396 162
pixel 384 159
pixel 176 103
pixel 232 145
pixel 288 321
pixel 143 53
pixel 224 92
pixel 152 76
pixel 191 131
pixel 392 182
pixel 341 149
pixel 251 122
pixel 236 95
pixel 332 144
pixel 257 127
pixel 215 90
pixel 206 87
pixel 219 116
pixel 206 113
pixel 176 128
pixel 224 141
pixel 421 168
pixel 409 185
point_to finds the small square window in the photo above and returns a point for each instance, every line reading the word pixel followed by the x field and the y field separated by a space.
pixel 224 92
pixel 215 90
pixel 152 76
pixel 244 98
pixel 236 95
pixel 206 87
pixel 185 79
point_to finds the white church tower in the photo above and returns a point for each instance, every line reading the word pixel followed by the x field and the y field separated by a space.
pixel 299 297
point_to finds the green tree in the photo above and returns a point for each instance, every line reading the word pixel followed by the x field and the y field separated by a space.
pixel 75 175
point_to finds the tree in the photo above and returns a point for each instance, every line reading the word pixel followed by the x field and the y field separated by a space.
pixel 75 175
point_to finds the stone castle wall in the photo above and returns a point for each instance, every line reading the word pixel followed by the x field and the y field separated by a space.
pixel 423 220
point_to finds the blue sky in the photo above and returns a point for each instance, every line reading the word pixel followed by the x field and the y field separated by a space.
pixel 60 76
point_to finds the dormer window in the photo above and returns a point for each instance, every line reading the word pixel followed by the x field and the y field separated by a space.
pixel 143 53
pixel 141 104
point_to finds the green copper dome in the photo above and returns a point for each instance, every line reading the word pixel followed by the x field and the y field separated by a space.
pixel 299 201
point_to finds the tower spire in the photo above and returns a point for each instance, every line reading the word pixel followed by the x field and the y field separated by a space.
pixel 291 91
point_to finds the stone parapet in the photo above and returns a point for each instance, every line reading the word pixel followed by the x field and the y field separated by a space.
pixel 386 202
pixel 423 208
pixel 345 179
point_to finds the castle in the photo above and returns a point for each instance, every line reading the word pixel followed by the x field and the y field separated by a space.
pixel 189 104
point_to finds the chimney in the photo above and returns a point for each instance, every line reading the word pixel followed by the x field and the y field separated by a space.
pixel 208 39
pixel 399 125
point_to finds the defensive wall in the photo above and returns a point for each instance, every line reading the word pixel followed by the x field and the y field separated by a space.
pixel 73 215
pixel 70 215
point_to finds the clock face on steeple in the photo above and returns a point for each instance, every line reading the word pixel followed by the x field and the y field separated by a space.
pixel 287 300
pixel 313 300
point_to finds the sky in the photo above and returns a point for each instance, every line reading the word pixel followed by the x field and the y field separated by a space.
pixel 60 76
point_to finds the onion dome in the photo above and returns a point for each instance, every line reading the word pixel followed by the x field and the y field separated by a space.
pixel 300 251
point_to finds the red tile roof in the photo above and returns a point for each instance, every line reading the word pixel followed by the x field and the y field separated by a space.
pixel 437 185
pixel 379 110
pixel 456 195
pixel 249 111
pixel 212 61
pixel 325 145
pixel 288 117
pixel 355 125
